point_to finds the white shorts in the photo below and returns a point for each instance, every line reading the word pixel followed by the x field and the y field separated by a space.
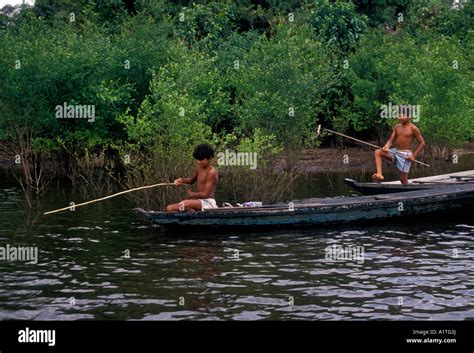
pixel 207 204
pixel 399 159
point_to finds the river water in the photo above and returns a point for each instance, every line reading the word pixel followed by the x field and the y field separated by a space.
pixel 104 262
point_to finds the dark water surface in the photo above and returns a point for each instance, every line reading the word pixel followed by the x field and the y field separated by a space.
pixel 410 271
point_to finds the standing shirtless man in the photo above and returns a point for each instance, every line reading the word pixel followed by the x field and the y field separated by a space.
pixel 402 137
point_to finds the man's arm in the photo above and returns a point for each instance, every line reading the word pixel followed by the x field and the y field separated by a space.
pixel 390 140
pixel 208 188
pixel 421 142
pixel 192 180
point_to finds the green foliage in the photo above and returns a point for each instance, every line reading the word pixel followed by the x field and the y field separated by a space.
pixel 421 14
pixel 206 25
pixel 456 23
pixel 88 68
pixel 82 12
pixel 278 85
pixel 339 24
pixel 176 113
pixel 382 12
pixel 74 69
pixel 264 145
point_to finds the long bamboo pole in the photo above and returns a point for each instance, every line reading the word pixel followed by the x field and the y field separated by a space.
pixel 108 197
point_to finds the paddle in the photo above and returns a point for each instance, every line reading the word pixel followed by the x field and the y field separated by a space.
pixel 318 132
pixel 108 197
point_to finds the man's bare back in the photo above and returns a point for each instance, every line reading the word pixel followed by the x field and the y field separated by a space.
pixel 206 181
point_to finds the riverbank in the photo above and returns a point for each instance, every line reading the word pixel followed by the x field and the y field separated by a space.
pixel 354 159
pixel 319 160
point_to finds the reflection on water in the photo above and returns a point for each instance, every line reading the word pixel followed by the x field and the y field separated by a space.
pixel 414 271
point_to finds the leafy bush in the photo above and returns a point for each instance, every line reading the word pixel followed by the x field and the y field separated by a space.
pixel 339 24
pixel 278 86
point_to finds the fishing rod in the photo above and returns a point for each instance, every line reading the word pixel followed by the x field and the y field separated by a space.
pixel 108 197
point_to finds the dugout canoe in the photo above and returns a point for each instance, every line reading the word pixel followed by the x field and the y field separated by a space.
pixel 414 184
pixel 318 211
pixel 379 188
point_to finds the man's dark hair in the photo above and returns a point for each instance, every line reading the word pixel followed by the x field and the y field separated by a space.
pixel 203 151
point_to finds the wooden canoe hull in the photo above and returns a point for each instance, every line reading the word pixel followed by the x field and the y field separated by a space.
pixel 415 184
pixel 378 188
pixel 327 211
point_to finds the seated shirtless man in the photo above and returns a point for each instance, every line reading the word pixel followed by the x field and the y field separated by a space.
pixel 206 177
pixel 402 137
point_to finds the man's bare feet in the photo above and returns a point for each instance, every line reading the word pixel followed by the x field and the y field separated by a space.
pixel 377 177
